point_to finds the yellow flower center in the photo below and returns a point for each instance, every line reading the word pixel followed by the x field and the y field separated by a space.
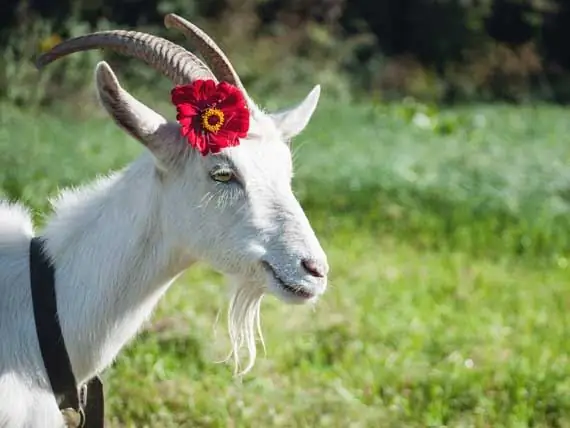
pixel 212 119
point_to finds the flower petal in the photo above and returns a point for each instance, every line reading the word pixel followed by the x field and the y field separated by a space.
pixel 183 94
pixel 225 138
pixel 185 124
pixel 216 142
pixel 237 121
pixel 200 143
pixel 187 109
pixel 206 89
pixel 226 90
pixel 231 97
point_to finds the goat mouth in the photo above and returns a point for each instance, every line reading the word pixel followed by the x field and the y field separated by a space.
pixel 295 290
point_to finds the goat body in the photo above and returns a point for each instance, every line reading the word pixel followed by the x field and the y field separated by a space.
pixel 112 268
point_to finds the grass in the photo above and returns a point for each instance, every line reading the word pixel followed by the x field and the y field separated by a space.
pixel 448 237
pixel 403 338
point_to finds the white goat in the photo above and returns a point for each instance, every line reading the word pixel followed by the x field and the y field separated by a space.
pixel 120 242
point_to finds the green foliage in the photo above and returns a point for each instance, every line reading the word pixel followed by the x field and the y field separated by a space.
pixel 21 83
pixel 486 180
pixel 309 55
pixel 475 50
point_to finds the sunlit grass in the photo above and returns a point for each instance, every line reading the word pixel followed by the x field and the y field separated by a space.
pixel 402 338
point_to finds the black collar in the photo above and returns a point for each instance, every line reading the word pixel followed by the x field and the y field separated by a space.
pixel 72 404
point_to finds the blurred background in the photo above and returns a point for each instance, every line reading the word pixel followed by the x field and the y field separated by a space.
pixel 435 171
pixel 434 50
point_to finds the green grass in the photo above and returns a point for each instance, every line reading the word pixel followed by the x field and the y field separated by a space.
pixel 449 295
pixel 403 338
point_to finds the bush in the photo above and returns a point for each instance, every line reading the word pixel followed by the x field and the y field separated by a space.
pixel 432 50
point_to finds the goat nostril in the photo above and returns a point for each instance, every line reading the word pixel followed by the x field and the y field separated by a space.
pixel 313 268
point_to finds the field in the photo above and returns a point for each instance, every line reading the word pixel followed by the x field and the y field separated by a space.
pixel 448 235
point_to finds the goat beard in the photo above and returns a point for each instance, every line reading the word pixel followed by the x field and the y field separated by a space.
pixel 244 324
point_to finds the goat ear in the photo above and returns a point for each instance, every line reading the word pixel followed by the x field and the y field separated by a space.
pixel 141 122
pixel 292 122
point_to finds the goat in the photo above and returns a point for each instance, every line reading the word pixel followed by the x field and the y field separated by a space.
pixel 120 242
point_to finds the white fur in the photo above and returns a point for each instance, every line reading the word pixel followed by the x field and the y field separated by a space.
pixel 120 242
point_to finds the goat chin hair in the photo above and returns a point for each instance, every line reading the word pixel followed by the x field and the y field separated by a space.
pixel 244 325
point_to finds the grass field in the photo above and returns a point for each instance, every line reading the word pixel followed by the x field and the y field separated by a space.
pixel 448 235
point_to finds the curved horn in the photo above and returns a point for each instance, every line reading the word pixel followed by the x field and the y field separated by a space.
pixel 164 56
pixel 211 52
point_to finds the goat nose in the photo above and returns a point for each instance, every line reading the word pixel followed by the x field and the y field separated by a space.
pixel 314 268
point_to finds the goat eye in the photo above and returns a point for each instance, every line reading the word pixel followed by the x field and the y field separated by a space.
pixel 222 175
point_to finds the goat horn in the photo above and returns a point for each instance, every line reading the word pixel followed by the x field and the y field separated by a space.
pixel 211 52
pixel 164 56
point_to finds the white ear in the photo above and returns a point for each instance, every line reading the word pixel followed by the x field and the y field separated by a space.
pixel 291 122
pixel 129 113
pixel 143 123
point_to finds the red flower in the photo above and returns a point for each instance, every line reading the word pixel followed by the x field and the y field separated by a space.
pixel 211 116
